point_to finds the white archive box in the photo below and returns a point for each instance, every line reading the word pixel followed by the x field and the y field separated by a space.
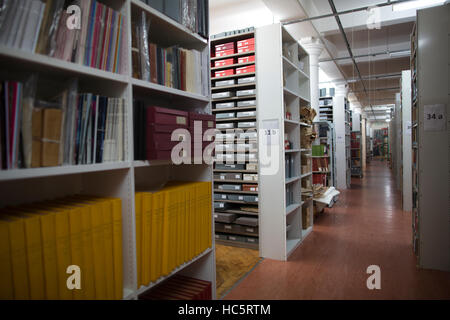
pixel 220 95
pixel 247 124
pixel 243 93
pixel 224 105
pixel 224 147
pixel 225 136
pixel 245 114
pixel 226 115
pixel 246 103
pixel 223 83
pixel 246 80
pixel 225 125
pixel 248 135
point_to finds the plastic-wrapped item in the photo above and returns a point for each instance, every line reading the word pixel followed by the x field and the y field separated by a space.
pixel 189 14
pixel 29 95
pixel 143 29
pixel 69 107
pixel 50 23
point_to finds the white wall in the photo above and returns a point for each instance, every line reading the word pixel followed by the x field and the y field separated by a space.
pixel 229 15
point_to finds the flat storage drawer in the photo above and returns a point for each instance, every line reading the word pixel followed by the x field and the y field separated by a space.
pixel 224 217
pixel 164 116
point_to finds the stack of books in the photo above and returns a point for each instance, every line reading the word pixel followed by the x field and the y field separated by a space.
pixel 70 129
pixel 42 27
pixel 173 225
pixel 40 241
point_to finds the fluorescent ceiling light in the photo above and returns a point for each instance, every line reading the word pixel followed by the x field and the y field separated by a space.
pixel 418 4
pixel 388 120
pixel 404 53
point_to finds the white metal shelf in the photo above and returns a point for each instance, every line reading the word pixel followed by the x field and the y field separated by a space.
pixel 19 174
pixel 291 208
pixel 235 55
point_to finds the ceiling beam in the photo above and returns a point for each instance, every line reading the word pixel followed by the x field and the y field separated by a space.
pixel 378 89
pixel 337 14
pixel 376 76
pixel 364 56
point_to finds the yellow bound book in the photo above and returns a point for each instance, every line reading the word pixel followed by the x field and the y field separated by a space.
pixel 62 238
pixel 209 213
pixel 6 275
pixel 17 247
pixel 48 238
pixel 34 252
pixel 146 236
pixel 138 215
pixel 169 212
pixel 117 247
pixel 156 235
pixel 108 243
pixel 192 222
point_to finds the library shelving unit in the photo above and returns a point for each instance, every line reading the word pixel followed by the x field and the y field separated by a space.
pixel 326 104
pixel 406 140
pixel 283 88
pixel 430 137
pixel 323 158
pixel 356 146
pixel 115 179
pixel 232 206
pixel 342 116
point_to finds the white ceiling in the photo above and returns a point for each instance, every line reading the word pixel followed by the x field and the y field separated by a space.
pixel 391 33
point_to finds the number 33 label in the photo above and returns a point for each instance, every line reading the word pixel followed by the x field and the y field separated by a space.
pixel 435 117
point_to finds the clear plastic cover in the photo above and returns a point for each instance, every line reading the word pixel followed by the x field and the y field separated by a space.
pixel 68 128
pixel 29 95
pixel 143 29
pixel 189 14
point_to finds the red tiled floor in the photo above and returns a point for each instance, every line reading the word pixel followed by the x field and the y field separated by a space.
pixel 366 227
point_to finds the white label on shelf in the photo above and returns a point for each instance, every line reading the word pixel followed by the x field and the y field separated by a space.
pixel 435 117
pixel 250 230
pixel 228 227
pixel 269 146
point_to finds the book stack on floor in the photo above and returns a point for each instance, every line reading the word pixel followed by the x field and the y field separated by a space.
pixel 39 241
pixel 193 14
pixel 180 288
pixel 153 128
pixel 173 226
pixel 173 66
pixel 68 130
pixel 42 27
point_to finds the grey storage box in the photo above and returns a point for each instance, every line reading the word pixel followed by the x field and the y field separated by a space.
pixel 228 176
pixel 225 136
pixel 224 105
pixel 252 199
pixel 225 125
pixel 226 115
pixel 247 124
pixel 247 221
pixel 221 237
pixel 221 205
pixel 231 187
pixel 250 177
pixel 224 227
pixel 224 147
pixel 252 240
pixel 236 238
pixel 223 166
pixel 221 95
pixel 246 103
pixel 224 217
pixel 248 135
pixel 245 114
pixel 252 166
pixel 220 196
pixel 223 83
pixel 235 197
pixel 246 80
pixel 247 229
pixel 243 93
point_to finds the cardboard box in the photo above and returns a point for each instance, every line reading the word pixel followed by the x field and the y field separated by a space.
pixel 246 42
pixel 250 187
pixel 243 93
pixel 246 80
pixel 224 53
pixel 231 187
pixel 246 59
pixel 225 166
pixel 223 73
pixel 225 105
pixel 226 115
pixel 247 103
pixel 224 63
pixel 252 166
pixel 247 69
pixel 223 83
pixel 224 46
pixel 224 217
pixel 244 49
pixel 225 125
pixel 245 114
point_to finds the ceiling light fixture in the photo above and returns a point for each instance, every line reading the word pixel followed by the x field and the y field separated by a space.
pixel 388 120
pixel 418 4
pixel 398 54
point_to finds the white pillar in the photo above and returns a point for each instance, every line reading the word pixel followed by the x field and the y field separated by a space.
pixel 314 48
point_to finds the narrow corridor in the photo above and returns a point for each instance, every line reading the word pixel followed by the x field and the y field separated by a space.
pixel 366 227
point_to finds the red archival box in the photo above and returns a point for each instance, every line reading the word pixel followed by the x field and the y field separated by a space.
pixel 224 53
pixel 246 59
pixel 223 73
pixel 248 69
pixel 224 46
pixel 246 42
pixel 223 63
pixel 246 49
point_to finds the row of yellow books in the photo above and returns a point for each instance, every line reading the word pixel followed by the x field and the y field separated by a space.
pixel 173 226
pixel 39 241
